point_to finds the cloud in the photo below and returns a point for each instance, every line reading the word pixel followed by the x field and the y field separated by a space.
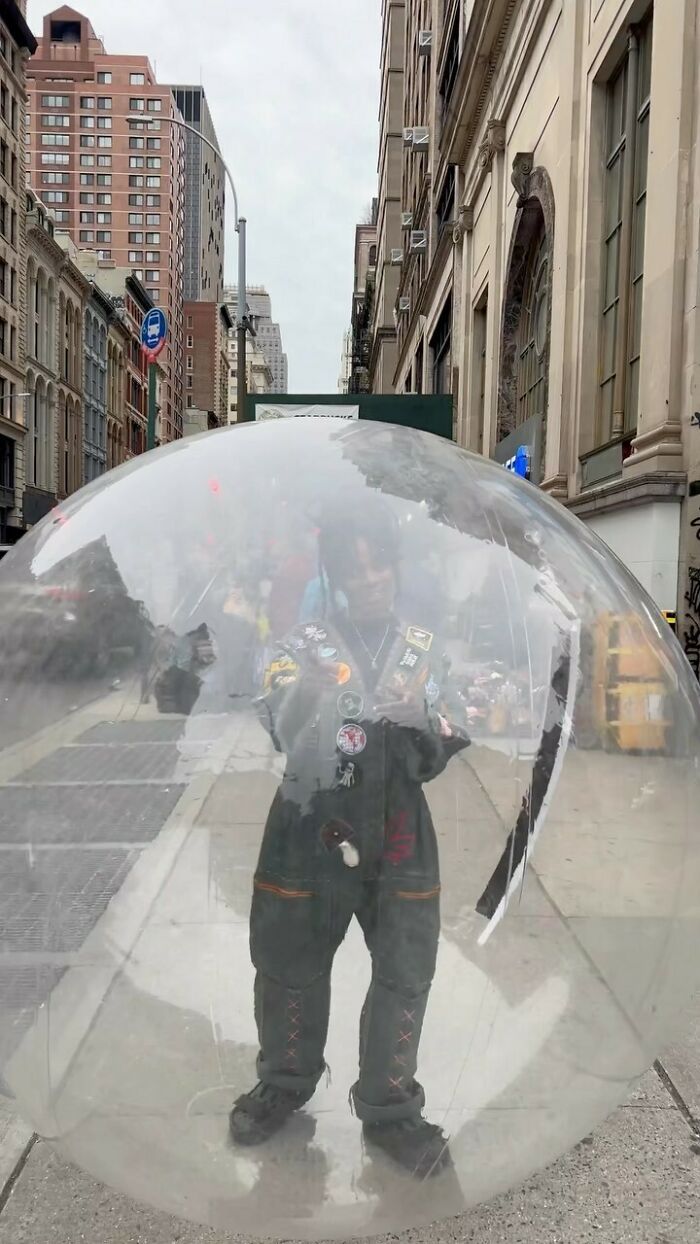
pixel 293 88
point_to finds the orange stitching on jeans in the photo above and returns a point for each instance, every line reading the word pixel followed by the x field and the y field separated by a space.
pixel 279 890
pixel 418 893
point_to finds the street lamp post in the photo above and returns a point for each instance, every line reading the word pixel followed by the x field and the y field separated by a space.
pixel 242 322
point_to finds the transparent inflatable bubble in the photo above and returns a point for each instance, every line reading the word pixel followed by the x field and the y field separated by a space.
pixel 341 762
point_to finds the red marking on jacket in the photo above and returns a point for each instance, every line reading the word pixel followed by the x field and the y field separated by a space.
pixel 399 842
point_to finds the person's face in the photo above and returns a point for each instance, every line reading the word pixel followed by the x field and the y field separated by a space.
pixel 368 582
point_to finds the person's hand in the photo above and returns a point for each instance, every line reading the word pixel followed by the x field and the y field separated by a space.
pixel 317 676
pixel 408 710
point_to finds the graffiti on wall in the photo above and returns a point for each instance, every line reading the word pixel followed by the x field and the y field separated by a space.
pixel 691 627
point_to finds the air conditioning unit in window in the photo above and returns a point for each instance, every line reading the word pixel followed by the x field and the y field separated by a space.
pixel 396 256
pixel 425 42
pixel 419 242
pixel 421 138
pixel 404 306
pixel 407 220
pixel 408 137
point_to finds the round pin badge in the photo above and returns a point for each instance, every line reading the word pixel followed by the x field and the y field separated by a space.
pixel 351 704
pixel 327 654
pixel 315 633
pixel 351 740
pixel 343 673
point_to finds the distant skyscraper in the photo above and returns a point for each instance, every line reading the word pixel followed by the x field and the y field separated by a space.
pixel 269 336
pixel 104 159
pixel 204 201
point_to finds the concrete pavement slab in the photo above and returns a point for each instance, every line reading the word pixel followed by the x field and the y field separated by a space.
pixel 681 1060
pixel 636 1181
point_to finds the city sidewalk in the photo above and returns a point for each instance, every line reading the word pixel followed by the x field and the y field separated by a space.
pixel 636 1179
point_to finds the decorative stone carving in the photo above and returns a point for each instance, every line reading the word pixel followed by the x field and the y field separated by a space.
pixel 523 165
pixel 463 225
pixel 495 141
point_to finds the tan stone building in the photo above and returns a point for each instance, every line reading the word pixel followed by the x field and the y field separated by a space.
pixel 363 303
pixel 551 188
pixel 16 43
pixel 106 160
pixel 56 298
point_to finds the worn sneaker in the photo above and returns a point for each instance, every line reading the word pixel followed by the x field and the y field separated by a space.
pixel 257 1115
pixel 420 1147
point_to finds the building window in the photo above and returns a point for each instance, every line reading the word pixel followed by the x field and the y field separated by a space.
pixel 85 161
pixel 56 196
pixel 153 162
pixel 104 254
pixel 135 180
pixel 153 239
pixel 153 275
pixel 104 140
pixel 104 123
pixel 135 218
pixel 54 157
pixel 136 143
pixel 104 103
pixel 104 77
pixel 55 101
pixel 55 179
pixel 440 345
pixel 104 199
pixel 152 200
pixel 86 235
pixel 87 218
pixel 137 79
pixel 155 105
pixel 104 161
pixel 153 257
pixel 135 161
pixel 137 105
pixel 87 197
pixel 104 179
pixel 87 140
pixel 135 256
pixel 135 239
pixel 55 140
pixel 189 362
pixel 55 120
pixel 61 217
pixel 87 123
pixel 136 200
pixel 153 144
pixel 153 183
pixel 104 218
pixel 532 335
pixel 104 235
pixel 86 179
pixel 627 144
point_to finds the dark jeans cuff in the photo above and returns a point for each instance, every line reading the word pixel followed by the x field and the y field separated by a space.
pixel 289 1079
pixel 410 1108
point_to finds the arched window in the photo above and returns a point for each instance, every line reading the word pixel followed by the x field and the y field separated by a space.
pixel 532 333
pixel 526 318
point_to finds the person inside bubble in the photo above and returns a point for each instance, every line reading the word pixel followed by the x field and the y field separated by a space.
pixel 353 700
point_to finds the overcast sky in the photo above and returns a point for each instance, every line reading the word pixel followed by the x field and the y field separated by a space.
pixel 293 88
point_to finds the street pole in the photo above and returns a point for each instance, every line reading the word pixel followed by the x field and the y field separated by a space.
pixel 152 390
pixel 240 224
pixel 241 330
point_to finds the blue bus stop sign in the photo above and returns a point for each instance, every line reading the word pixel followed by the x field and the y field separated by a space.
pixel 154 331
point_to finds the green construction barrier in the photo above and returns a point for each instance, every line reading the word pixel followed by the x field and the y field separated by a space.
pixel 431 413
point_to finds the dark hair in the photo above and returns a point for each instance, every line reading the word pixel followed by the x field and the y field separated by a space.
pixel 342 525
